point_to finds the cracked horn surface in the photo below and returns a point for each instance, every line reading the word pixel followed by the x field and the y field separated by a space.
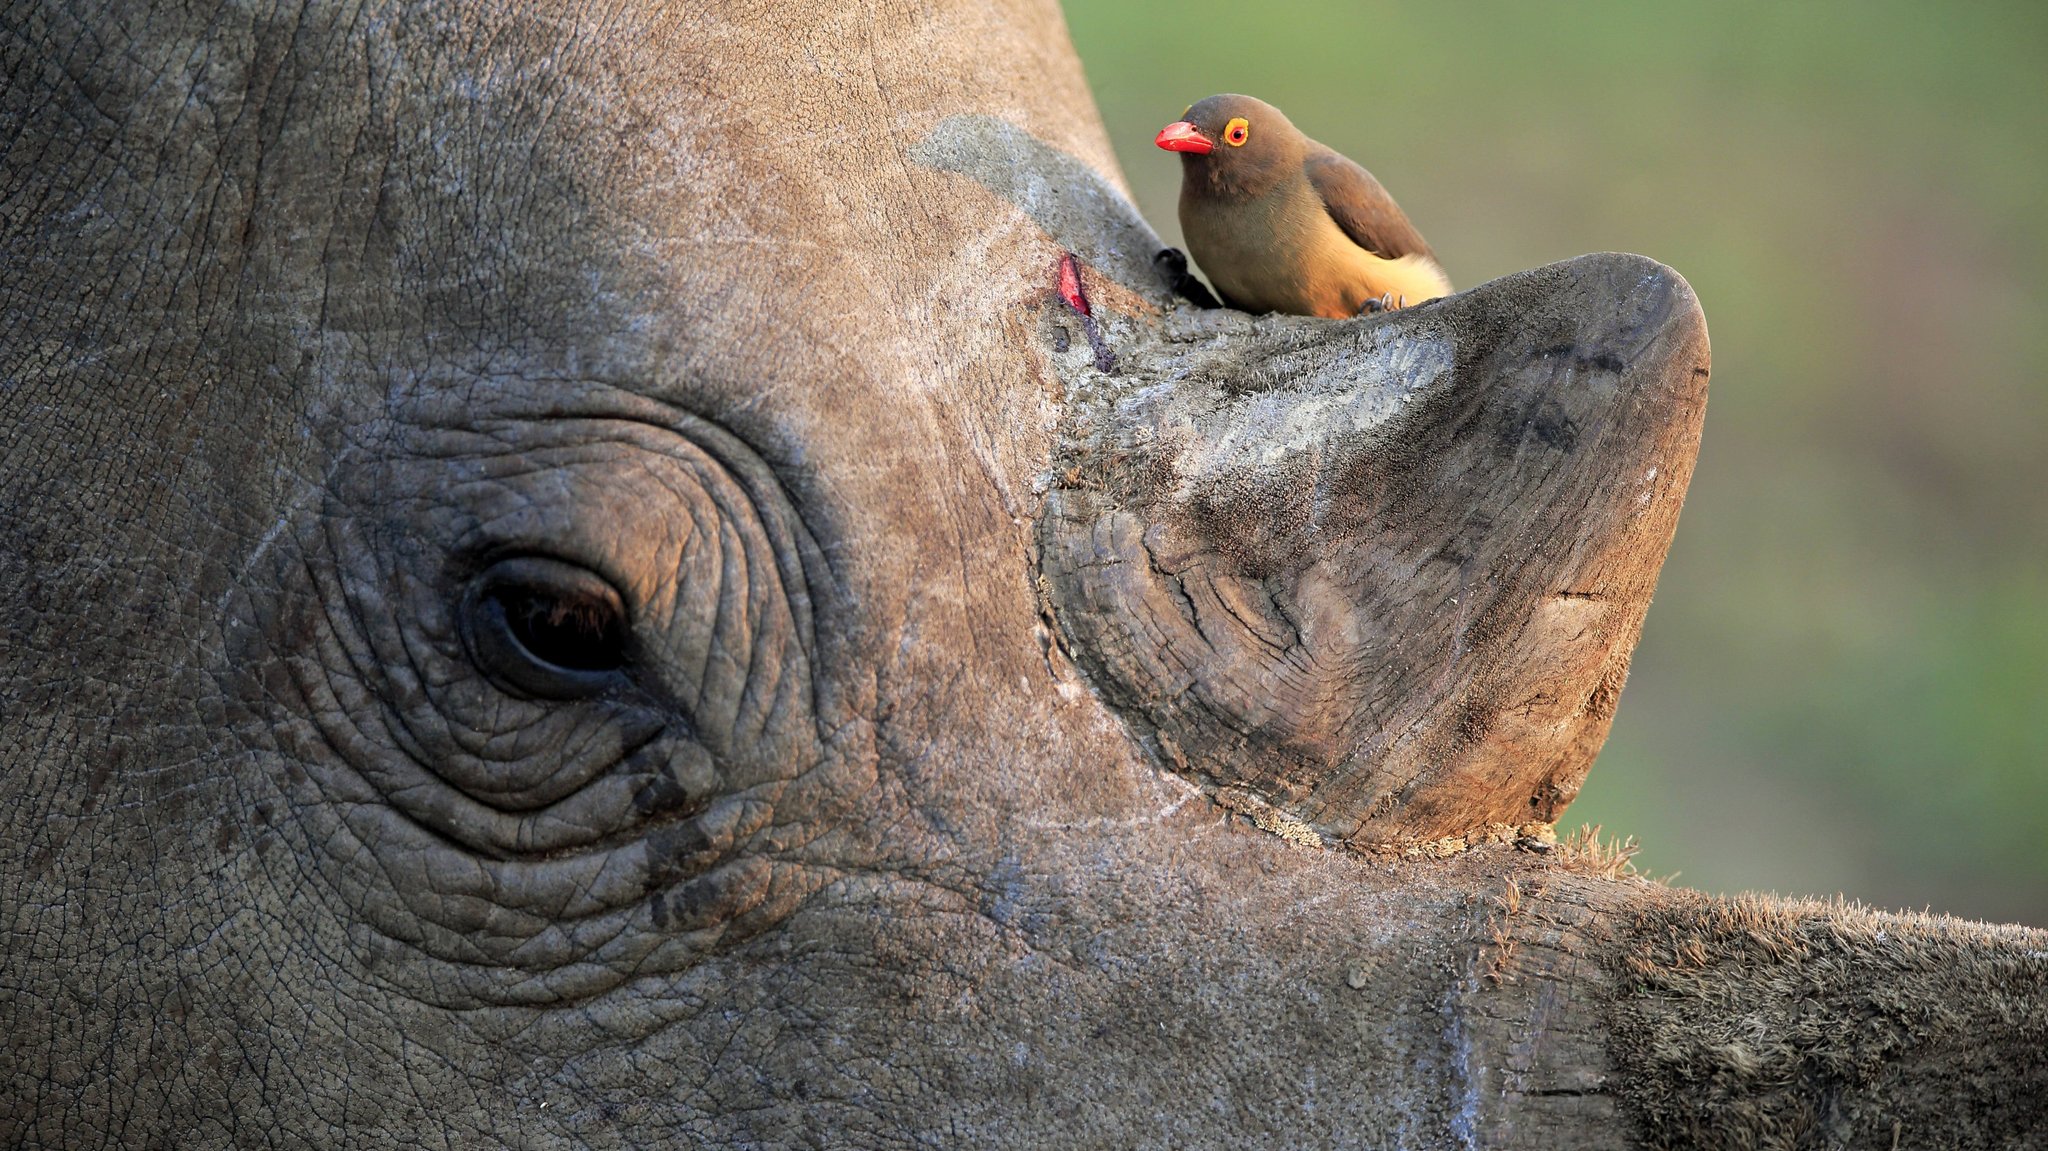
pixel 1384 574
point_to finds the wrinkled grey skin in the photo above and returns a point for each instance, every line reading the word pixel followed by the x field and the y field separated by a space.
pixel 315 313
pixel 316 316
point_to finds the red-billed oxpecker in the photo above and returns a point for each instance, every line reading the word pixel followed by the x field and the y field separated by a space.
pixel 1280 223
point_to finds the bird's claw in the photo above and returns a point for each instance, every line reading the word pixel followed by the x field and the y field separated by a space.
pixel 1381 303
pixel 1171 265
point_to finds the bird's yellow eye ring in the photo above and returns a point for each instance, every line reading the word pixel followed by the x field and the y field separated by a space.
pixel 1237 132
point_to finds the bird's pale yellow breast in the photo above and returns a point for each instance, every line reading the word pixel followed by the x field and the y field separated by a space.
pixel 1283 253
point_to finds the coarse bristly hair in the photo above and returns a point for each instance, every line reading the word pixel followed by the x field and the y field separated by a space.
pixel 1762 1023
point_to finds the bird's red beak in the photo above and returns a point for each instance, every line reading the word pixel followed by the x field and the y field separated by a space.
pixel 1181 136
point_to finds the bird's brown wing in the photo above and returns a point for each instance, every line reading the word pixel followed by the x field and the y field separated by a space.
pixel 1361 207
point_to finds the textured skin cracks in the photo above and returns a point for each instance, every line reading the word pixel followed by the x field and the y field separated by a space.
pixel 316 318
pixel 545 849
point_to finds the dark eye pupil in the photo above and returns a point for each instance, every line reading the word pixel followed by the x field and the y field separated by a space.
pixel 579 633
pixel 542 627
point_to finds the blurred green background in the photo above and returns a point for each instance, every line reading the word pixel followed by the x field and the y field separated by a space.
pixel 1843 684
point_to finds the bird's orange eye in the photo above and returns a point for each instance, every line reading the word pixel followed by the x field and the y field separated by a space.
pixel 1237 132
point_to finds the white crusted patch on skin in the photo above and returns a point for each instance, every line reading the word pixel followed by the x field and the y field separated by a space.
pixel 1349 393
pixel 1266 817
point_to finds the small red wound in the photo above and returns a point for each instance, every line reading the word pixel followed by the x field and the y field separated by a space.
pixel 1070 285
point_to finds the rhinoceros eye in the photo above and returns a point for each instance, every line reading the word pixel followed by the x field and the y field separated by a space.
pixel 545 628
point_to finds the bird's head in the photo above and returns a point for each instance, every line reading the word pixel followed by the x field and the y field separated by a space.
pixel 1233 143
